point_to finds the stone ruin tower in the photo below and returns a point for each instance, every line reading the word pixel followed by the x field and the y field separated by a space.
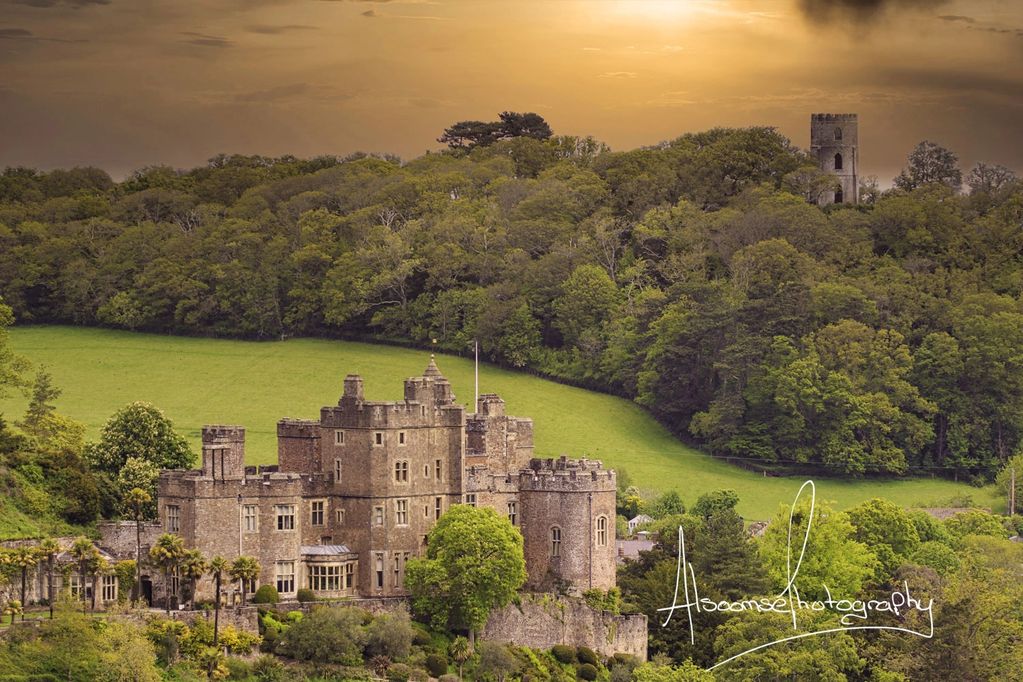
pixel 834 142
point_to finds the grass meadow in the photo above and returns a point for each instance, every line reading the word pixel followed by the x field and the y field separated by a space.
pixel 253 384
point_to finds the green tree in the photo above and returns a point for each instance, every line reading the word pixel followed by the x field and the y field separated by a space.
pixel 218 568
pixel 930 162
pixel 461 650
pixel 887 530
pixel 138 474
pixel 48 549
pixel 1012 469
pixel 141 431
pixel 40 406
pixel 244 569
pixel 88 558
pixel 24 558
pixel 167 553
pixel 588 298
pixel 473 564
pixel 193 567
pixel 137 500
pixel 12 366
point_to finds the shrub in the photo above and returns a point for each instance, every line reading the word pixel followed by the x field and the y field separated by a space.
pixel 449 678
pixel 389 635
pixel 306 595
pixel 399 672
pixel 563 653
pixel 437 664
pixel 266 594
pixel 588 671
pixel 326 635
pixel 421 637
pixel 237 669
pixel 587 655
pixel 268 669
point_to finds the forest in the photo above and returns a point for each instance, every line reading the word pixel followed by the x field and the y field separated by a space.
pixel 697 277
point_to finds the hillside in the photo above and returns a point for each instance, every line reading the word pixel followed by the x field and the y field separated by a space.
pixel 201 381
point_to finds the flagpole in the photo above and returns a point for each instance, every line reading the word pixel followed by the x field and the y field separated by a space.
pixel 476 397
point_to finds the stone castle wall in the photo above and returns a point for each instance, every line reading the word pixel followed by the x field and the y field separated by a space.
pixel 541 621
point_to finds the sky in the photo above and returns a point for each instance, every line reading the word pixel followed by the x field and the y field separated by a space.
pixel 123 84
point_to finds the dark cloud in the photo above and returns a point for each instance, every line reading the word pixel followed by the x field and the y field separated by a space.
pixel 276 30
pixel 204 40
pixel 15 34
pixel 276 94
pixel 43 4
pixel 370 13
pixel 951 82
pixel 862 11
pixel 958 17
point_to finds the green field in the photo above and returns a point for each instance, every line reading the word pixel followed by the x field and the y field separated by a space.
pixel 253 384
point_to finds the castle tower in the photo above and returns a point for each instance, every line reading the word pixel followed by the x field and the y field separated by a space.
pixel 834 142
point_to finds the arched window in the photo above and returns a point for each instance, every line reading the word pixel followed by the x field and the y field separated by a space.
pixel 555 541
pixel 601 531
pixel 839 197
pixel 838 133
pixel 838 162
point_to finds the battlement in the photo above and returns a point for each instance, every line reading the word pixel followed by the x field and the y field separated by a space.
pixel 298 428
pixel 829 118
pixel 563 474
pixel 213 433
pixel 489 405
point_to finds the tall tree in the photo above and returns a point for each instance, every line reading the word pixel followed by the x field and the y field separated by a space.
pixel 140 430
pixel 87 557
pixel 927 163
pixel 193 567
pixel 24 558
pixel 136 500
pixel 473 564
pixel 218 568
pixel 48 549
pixel 244 569
pixel 167 553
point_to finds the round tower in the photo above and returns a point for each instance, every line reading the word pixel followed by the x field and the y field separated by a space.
pixel 834 141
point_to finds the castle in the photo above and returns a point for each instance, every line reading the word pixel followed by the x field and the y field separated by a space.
pixel 356 492
pixel 834 141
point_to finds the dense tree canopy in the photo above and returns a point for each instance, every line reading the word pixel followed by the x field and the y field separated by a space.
pixel 693 276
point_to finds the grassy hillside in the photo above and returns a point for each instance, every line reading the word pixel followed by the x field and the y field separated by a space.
pixel 203 381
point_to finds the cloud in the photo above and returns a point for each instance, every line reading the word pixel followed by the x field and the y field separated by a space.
pixel 269 30
pixel 619 74
pixel 862 11
pixel 292 92
pixel 43 4
pixel 370 13
pixel 15 34
pixel 204 40
pixel 958 17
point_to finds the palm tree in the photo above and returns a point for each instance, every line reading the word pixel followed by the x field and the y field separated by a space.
pixel 85 553
pixel 218 567
pixel 193 567
pixel 461 651
pixel 97 567
pixel 136 500
pixel 24 558
pixel 244 569
pixel 47 551
pixel 166 554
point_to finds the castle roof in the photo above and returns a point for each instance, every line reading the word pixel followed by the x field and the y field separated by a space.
pixel 432 370
pixel 325 550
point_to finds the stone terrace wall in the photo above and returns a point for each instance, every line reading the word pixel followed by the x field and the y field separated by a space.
pixel 541 621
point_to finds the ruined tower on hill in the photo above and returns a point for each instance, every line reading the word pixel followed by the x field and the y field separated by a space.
pixel 834 141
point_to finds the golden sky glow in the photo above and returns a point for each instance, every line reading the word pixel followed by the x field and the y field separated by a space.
pixel 127 83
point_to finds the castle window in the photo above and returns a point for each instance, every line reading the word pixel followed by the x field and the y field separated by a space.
pixel 380 570
pixel 285 577
pixel 349 576
pixel 401 472
pixel 513 512
pixel 316 515
pixel 426 511
pixel 838 133
pixel 173 518
pixel 601 531
pixel 339 516
pixel 378 516
pixel 250 517
pixel 285 516
pixel 401 438
pixel 426 471
pixel 108 588
pixel 436 469
pixel 339 437
pixel 325 577
pixel 401 512
pixel 397 569
pixel 838 162
pixel 839 197
pixel 438 507
pixel 470 499
pixel 555 541
pixel 337 471
pixel 378 438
